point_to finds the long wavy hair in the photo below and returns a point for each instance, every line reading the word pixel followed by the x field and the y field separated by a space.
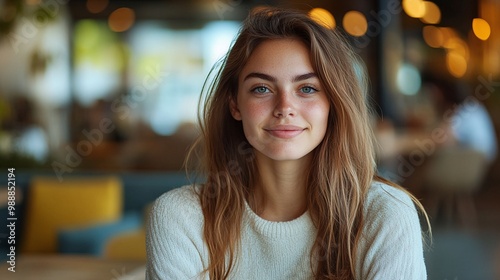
pixel 344 162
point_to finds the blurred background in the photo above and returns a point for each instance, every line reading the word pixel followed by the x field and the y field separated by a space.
pixel 98 108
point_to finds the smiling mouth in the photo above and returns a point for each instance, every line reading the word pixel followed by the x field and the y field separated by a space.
pixel 285 132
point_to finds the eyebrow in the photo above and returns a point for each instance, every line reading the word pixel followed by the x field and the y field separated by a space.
pixel 260 76
pixel 304 77
pixel 273 79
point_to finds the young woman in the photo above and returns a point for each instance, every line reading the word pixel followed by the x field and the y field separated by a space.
pixel 291 190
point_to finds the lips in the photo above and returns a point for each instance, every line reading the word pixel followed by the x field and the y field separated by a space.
pixel 285 131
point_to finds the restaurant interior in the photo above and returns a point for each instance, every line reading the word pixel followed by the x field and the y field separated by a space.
pixel 99 101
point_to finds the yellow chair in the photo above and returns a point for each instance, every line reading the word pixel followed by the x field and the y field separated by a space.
pixel 127 246
pixel 130 245
pixel 75 202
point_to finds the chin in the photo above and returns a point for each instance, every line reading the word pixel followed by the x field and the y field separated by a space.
pixel 285 155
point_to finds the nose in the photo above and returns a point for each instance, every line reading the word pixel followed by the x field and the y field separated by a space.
pixel 284 105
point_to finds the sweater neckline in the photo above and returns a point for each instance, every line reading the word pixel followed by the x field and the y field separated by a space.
pixel 277 229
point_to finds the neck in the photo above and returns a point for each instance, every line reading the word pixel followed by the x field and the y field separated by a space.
pixel 280 192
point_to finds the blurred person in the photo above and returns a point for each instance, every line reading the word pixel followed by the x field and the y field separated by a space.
pixel 455 120
pixel 291 190
pixel 460 154
pixel 465 119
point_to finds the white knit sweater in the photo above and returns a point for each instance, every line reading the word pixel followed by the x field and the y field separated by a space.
pixel 390 248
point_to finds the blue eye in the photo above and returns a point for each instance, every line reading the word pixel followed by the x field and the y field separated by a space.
pixel 308 90
pixel 260 89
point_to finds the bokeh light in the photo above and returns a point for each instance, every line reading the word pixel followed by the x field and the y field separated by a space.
pixel 481 28
pixel 408 79
pixel 355 23
pixel 459 46
pixel 97 6
pixel 456 64
pixel 433 36
pixel 414 8
pixel 121 19
pixel 322 17
pixel 448 34
pixel 432 14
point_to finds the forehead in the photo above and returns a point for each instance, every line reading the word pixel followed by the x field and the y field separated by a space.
pixel 289 55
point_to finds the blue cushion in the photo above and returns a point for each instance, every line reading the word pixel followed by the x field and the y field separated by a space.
pixel 92 240
pixel 140 189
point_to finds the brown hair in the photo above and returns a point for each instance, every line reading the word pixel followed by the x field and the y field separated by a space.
pixel 344 161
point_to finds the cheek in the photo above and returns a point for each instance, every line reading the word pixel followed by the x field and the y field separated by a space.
pixel 320 115
pixel 252 112
pixel 319 112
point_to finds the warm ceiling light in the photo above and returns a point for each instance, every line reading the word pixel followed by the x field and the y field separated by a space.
pixel 433 36
pixel 432 13
pixel 96 6
pixel 355 23
pixel 322 17
pixel 414 8
pixel 121 19
pixel 481 28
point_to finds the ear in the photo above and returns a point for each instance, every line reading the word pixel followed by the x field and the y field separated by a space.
pixel 233 107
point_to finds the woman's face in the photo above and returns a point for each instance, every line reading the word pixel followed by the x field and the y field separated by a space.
pixel 280 101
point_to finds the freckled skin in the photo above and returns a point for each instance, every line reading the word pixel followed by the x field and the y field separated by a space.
pixel 280 101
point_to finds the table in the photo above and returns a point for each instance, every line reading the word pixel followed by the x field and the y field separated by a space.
pixel 72 267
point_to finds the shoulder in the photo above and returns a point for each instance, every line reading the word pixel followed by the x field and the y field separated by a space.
pixel 389 210
pixel 383 199
pixel 390 217
pixel 185 194
pixel 174 240
pixel 178 205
